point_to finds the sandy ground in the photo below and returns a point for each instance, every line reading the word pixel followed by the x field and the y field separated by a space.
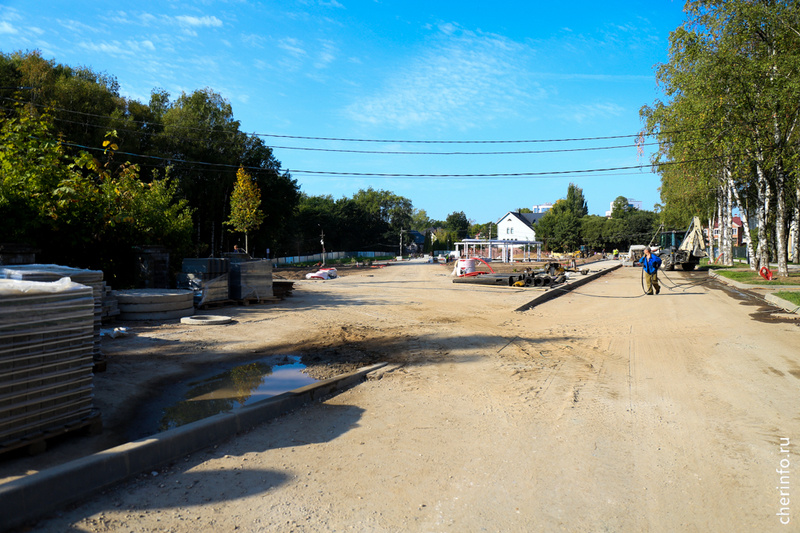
pixel 603 410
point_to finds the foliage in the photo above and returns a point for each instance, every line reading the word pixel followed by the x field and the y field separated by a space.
pixel 32 164
pixel 196 127
pixel 421 222
pixel 80 210
pixel 457 224
pixel 560 227
pixel 370 220
pixel 246 214
pixel 730 119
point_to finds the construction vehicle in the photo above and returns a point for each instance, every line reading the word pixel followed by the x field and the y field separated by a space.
pixel 684 248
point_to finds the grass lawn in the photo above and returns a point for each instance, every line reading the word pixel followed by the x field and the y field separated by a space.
pixel 789 296
pixel 752 278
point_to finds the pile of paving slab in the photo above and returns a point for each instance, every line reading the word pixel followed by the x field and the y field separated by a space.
pixel 50 327
pixel 50 319
pixel 222 280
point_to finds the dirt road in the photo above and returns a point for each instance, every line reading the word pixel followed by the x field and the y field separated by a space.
pixel 603 410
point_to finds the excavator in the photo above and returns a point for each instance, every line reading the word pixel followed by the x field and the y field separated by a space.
pixel 684 248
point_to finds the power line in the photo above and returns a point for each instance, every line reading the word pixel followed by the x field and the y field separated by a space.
pixel 363 140
pixel 395 175
pixel 374 152
pixel 390 152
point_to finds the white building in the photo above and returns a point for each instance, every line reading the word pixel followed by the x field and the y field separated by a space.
pixel 543 208
pixel 516 240
pixel 517 226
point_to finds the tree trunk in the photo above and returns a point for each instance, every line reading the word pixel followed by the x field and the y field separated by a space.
pixel 710 240
pixel 796 226
pixel 780 222
pixel 744 215
pixel 727 253
pixel 762 212
pixel 720 223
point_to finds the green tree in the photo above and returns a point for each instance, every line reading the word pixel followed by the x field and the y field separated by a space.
pixel 560 227
pixel 246 214
pixel 420 221
pixel 730 119
pixel 457 224
pixel 620 208
pixel 592 230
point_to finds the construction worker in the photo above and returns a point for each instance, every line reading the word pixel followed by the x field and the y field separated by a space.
pixel 650 264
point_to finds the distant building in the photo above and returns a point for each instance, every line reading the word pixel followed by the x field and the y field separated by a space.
pixel 542 208
pixel 516 226
pixel 737 235
pixel 633 204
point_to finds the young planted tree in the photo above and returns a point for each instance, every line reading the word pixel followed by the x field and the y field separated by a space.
pixel 246 214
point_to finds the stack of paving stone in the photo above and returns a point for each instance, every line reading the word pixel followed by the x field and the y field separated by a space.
pixel 251 281
pixel 154 304
pixel 90 278
pixel 208 278
pixel 46 352
pixel 110 307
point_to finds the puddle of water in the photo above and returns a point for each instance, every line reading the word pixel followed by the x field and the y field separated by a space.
pixel 241 385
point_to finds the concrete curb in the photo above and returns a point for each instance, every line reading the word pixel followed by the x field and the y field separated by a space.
pixel 784 304
pixel 29 498
pixel 771 298
pixel 551 294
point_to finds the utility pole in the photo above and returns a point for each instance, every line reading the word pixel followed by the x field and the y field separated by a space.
pixel 401 242
pixel 322 242
pixel 490 241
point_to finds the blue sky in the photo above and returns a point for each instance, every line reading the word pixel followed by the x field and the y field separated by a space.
pixel 395 70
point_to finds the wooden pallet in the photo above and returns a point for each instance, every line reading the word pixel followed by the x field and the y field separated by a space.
pixel 216 304
pixel 36 444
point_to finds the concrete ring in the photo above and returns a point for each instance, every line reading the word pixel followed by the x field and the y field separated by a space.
pixel 205 320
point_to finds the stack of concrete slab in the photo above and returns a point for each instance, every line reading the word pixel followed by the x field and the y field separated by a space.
pixel 251 280
pixel 154 304
pixel 46 358
pixel 208 278
pixel 90 278
pixel 110 304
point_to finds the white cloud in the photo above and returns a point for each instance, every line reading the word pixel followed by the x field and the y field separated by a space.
pixel 146 19
pixel 584 112
pixel 326 55
pixel 254 40
pixel 210 22
pixel 462 80
pixel 113 48
pixel 6 28
pixel 78 27
pixel 140 46
pixel 293 46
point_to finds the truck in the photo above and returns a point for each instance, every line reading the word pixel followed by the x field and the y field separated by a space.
pixel 684 248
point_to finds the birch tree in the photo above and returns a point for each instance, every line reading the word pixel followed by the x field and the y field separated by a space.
pixel 734 77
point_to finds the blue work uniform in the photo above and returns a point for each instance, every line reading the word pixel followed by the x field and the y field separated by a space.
pixel 650 267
